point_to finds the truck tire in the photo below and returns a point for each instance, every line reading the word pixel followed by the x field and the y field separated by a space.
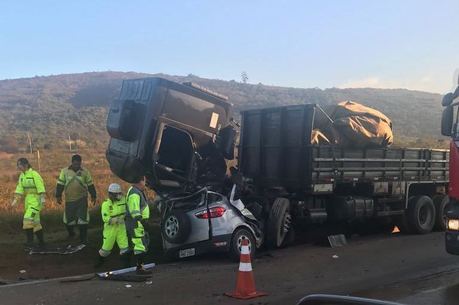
pixel 279 227
pixel 440 203
pixel 402 224
pixel 421 214
pixel 236 243
pixel 175 227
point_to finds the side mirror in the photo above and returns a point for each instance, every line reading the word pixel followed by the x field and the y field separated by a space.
pixel 447 99
pixel 447 121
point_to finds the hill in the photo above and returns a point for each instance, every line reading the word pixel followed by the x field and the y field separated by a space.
pixel 54 108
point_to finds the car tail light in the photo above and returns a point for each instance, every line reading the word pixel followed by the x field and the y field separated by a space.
pixel 214 212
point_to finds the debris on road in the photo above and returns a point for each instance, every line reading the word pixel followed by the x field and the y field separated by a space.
pixel 126 274
pixel 128 286
pixel 123 271
pixel 335 256
pixel 22 271
pixel 68 249
pixel 337 240
pixel 78 278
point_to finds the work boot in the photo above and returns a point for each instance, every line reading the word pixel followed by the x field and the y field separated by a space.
pixel 126 259
pixel 83 234
pixel 71 231
pixel 140 270
pixel 100 262
pixel 41 241
pixel 29 242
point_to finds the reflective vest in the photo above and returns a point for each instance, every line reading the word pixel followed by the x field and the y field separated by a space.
pixel 137 204
pixel 75 183
pixel 112 209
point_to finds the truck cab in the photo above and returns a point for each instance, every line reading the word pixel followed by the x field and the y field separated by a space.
pixel 177 135
pixel 450 128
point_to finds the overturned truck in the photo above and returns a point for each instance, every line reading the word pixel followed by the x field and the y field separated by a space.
pixel 182 138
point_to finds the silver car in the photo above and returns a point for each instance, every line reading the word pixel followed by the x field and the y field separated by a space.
pixel 206 221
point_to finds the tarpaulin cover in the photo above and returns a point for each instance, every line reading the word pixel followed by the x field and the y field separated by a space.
pixel 353 125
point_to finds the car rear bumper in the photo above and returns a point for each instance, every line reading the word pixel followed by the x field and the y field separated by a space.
pixel 219 243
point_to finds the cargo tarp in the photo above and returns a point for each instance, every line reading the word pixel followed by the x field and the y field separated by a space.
pixel 353 125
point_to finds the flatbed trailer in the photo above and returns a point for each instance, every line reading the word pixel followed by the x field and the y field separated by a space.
pixel 317 183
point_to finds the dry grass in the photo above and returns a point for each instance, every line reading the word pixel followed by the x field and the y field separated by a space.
pixel 51 162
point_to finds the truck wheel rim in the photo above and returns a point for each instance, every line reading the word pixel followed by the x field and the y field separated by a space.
pixel 171 226
pixel 239 243
pixel 284 228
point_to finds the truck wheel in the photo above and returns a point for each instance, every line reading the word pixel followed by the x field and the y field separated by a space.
pixel 236 243
pixel 402 224
pixel 421 214
pixel 440 203
pixel 279 228
pixel 175 227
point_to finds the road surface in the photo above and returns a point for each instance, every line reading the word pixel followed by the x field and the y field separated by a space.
pixel 412 269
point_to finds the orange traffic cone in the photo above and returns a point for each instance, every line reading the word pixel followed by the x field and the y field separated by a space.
pixel 245 285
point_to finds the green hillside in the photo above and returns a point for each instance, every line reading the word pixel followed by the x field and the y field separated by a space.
pixel 52 108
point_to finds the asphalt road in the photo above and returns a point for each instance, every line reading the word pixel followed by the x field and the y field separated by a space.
pixel 410 269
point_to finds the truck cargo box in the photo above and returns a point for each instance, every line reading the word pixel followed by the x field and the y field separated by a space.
pixel 276 151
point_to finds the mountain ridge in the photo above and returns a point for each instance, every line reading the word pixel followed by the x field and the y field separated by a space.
pixel 54 108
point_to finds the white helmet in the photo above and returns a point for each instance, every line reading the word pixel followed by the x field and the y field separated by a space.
pixel 114 188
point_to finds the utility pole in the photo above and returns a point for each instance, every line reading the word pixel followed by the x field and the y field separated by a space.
pixel 70 144
pixel 29 139
pixel 38 159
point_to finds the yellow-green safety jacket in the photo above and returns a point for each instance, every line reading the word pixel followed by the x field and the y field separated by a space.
pixel 31 186
pixel 75 184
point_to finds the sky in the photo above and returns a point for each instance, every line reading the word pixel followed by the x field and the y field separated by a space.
pixel 381 44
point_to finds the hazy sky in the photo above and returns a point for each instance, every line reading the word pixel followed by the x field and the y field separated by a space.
pixel 387 44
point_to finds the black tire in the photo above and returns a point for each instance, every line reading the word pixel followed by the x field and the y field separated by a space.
pixel 440 203
pixel 236 240
pixel 279 228
pixel 421 214
pixel 402 224
pixel 175 227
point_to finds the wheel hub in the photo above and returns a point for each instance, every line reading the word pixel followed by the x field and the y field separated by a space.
pixel 239 243
pixel 171 226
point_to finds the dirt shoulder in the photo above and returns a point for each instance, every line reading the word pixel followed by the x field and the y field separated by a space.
pixel 13 258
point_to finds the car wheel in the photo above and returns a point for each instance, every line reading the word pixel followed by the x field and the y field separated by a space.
pixel 421 214
pixel 279 227
pixel 440 202
pixel 236 243
pixel 175 227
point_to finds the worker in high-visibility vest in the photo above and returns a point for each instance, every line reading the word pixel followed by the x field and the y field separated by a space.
pixel 113 212
pixel 30 187
pixel 137 215
pixel 75 182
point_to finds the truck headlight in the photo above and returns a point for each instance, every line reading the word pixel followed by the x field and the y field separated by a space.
pixel 453 224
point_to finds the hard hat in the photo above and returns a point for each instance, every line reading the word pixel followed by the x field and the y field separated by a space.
pixel 114 188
